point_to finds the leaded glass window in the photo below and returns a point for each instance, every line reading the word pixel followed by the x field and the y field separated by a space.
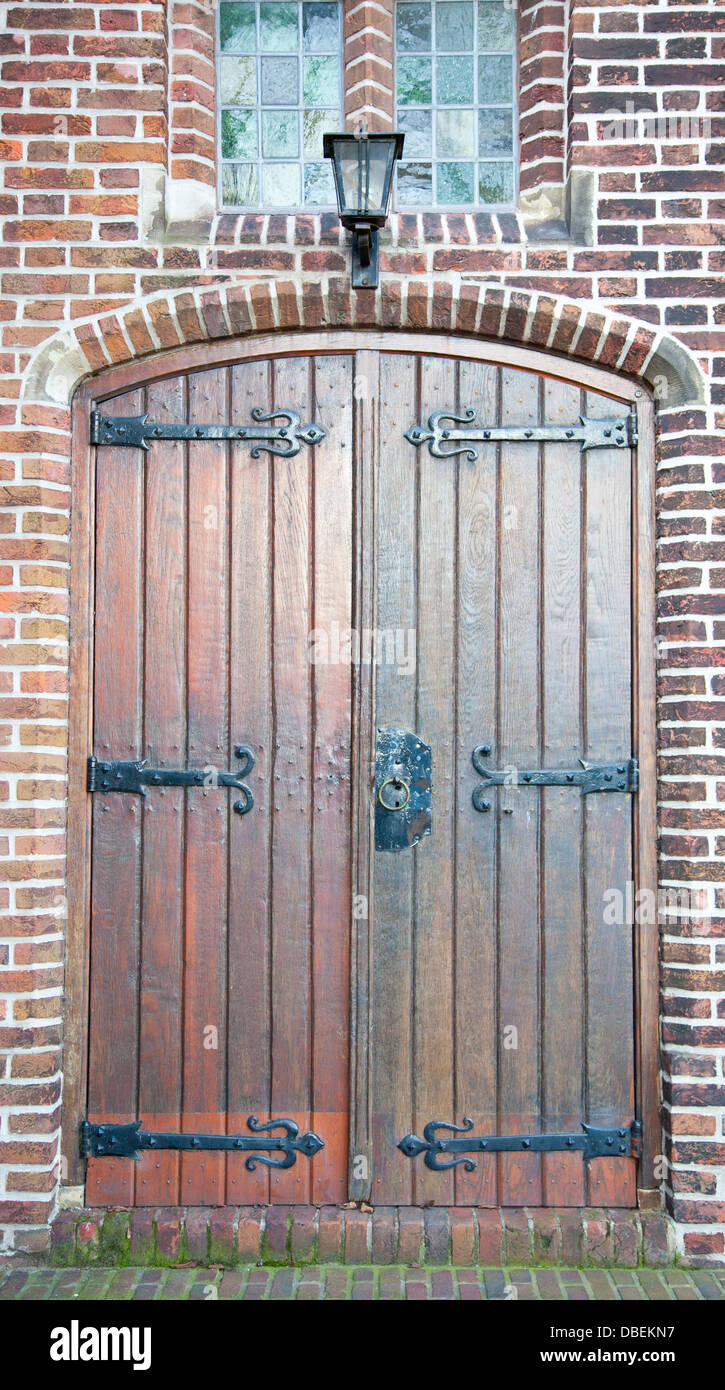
pixel 454 86
pixel 279 90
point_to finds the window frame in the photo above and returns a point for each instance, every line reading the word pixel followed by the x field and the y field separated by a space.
pixel 262 208
pixel 462 209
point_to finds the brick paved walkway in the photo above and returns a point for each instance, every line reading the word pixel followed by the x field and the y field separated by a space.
pixel 362 1283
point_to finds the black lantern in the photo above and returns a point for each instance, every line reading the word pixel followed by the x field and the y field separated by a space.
pixel 363 166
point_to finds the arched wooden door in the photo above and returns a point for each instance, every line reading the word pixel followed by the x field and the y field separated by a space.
pixel 268 621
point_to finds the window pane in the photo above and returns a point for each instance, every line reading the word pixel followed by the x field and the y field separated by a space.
pixel 320 79
pixel 455 134
pixel 417 126
pixel 319 183
pixel 456 183
pixel 239 185
pixel 280 134
pixel 495 79
pixel 238 81
pixel 278 27
pixel 413 29
pixel 454 25
pixel 320 28
pixel 280 90
pixel 496 27
pixel 237 28
pixel 414 82
pixel 496 182
pixel 281 185
pixel 315 123
pixel 454 80
pixel 279 81
pixel 455 103
pixel 415 184
pixel 239 135
pixel 495 131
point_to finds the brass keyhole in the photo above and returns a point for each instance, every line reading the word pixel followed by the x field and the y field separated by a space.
pixel 398 795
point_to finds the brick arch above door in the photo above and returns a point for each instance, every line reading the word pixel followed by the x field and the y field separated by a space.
pixel 578 331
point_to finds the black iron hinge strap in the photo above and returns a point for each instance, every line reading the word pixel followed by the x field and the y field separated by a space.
pixel 620 1141
pixel 444 441
pixel 591 777
pixel 106 776
pixel 285 435
pixel 130 1141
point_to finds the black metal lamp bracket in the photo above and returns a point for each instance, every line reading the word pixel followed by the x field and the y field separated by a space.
pixel 365 258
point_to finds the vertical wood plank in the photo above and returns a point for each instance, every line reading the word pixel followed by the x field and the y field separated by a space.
pixel 396 584
pixel 645 805
pixel 366 450
pixel 562 808
pixel 609 951
pixel 291 986
pixel 207 809
pixel 250 690
pixel 475 868
pixel 80 745
pixel 433 1076
pixel 116 874
pixel 329 792
pixel 164 741
pixel 519 747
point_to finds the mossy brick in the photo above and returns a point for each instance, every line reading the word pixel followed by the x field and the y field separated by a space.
pixel 115 1241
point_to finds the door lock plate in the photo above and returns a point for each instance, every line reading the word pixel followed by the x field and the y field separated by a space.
pixel 403 795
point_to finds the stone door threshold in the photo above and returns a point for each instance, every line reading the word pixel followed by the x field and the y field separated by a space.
pixel 408 1236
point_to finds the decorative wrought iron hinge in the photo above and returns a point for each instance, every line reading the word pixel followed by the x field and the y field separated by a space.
pixel 104 776
pixel 138 432
pixel 591 777
pixel 622 1141
pixel 444 442
pixel 130 1141
pixel 403 769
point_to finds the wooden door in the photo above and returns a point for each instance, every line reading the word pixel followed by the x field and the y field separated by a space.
pixel 219 976
pixel 499 990
pixel 485 977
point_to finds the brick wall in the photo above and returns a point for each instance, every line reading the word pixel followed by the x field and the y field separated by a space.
pixel 110 248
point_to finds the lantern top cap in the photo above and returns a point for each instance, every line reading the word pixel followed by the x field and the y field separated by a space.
pixel 331 138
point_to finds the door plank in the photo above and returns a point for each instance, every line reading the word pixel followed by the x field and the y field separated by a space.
pixel 291 995
pixel 366 449
pixel 396 581
pixel 519 746
pixel 251 580
pixel 562 808
pixel 475 868
pixel 164 741
pixel 433 1078
pixel 116 874
pixel 329 791
pixel 207 810
pixel 609 955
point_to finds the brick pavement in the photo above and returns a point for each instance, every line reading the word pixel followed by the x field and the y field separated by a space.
pixel 362 1283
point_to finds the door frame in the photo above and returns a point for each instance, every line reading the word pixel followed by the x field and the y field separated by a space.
pixel 365 343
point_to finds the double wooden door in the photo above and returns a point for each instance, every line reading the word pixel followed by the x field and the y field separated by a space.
pixel 268 960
